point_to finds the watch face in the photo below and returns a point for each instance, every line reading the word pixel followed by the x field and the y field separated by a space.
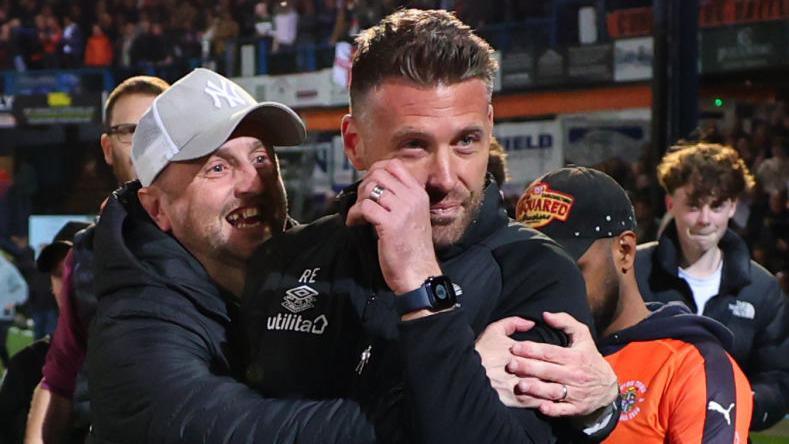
pixel 442 292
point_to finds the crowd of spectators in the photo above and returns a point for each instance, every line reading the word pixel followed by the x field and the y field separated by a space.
pixel 173 35
pixel 763 216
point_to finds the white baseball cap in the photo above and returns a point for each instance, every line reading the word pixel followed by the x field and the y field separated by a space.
pixel 196 115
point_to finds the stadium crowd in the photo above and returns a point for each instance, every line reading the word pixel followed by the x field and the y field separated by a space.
pixel 169 285
pixel 175 35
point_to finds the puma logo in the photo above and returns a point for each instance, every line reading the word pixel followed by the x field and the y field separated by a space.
pixel 715 407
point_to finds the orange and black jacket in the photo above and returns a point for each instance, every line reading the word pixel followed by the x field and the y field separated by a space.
pixel 677 381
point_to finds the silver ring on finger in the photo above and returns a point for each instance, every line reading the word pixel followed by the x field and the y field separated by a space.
pixel 564 394
pixel 376 193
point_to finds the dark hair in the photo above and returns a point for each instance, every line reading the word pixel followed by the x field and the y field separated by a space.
pixel 133 85
pixel 497 162
pixel 424 47
pixel 714 171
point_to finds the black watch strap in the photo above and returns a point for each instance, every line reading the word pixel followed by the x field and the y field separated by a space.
pixel 435 294
pixel 413 300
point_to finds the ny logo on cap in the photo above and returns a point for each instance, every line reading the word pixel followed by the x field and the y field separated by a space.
pixel 224 91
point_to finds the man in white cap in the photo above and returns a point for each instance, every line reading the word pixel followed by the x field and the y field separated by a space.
pixel 163 356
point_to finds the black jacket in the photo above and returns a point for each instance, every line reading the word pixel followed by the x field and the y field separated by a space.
pixel 750 303
pixel 316 305
pixel 82 278
pixel 162 355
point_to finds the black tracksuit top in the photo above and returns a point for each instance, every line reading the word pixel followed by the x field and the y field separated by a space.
pixel 320 323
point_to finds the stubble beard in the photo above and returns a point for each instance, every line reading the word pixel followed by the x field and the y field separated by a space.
pixel 218 235
pixel 122 170
pixel 448 234
pixel 604 310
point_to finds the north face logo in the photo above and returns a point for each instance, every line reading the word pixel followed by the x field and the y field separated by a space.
pixel 743 309
pixel 299 298
pixel 224 91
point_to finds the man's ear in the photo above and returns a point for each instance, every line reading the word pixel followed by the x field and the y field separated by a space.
pixel 352 142
pixel 151 200
pixel 669 201
pixel 733 208
pixel 624 251
pixel 106 148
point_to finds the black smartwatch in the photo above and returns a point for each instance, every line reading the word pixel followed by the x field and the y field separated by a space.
pixel 436 293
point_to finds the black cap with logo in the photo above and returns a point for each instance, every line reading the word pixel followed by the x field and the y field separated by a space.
pixel 576 206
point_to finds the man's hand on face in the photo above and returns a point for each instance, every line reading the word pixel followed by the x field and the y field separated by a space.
pixel 544 370
pixel 401 217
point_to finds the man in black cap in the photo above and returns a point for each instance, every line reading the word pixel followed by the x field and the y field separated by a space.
pixel 677 382
pixel 52 257
pixel 43 303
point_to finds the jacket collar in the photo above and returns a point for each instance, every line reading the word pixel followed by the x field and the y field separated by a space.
pixel 491 216
pixel 672 320
pixel 736 258
pixel 139 253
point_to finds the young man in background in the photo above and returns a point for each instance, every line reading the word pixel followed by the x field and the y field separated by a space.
pixel 699 261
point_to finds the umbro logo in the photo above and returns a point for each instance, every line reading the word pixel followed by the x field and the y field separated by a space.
pixel 223 91
pixel 299 298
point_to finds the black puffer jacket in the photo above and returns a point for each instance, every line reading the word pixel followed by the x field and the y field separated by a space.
pixel 321 323
pixel 82 277
pixel 750 303
pixel 162 354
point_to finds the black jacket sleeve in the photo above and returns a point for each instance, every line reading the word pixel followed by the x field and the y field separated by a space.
pixel 768 369
pixel 156 378
pixel 540 279
pixel 452 398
